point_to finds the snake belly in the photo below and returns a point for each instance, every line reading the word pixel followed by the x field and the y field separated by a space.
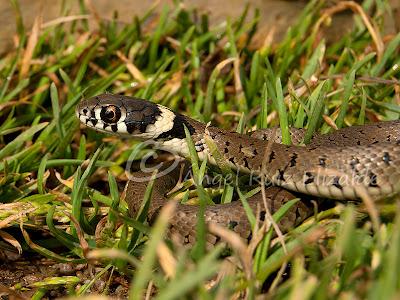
pixel 342 165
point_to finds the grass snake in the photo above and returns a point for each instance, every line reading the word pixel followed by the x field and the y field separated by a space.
pixel 337 165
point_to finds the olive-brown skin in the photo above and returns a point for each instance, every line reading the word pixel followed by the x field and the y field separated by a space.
pixel 335 166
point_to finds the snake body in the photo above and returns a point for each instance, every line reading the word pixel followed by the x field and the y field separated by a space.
pixel 341 165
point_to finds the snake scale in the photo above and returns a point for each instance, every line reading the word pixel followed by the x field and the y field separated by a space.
pixel 336 165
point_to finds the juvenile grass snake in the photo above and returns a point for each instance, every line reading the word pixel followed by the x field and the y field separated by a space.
pixel 337 165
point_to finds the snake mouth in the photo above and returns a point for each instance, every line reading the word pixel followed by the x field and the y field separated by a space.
pixel 99 125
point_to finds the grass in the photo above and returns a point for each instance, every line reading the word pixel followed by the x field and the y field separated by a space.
pixel 58 178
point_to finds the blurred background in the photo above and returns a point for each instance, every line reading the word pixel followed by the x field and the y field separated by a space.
pixel 275 15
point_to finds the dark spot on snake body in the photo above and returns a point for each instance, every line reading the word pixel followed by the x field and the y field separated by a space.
pixel 255 152
pixel 104 126
pixel 310 178
pixel 293 158
pixel 232 224
pixel 246 163
pixel 358 143
pixel 336 183
pixel 322 162
pixel 227 143
pixel 249 237
pixel 372 179
pixel 262 215
pixel 281 175
pixel 213 135
pixel 114 127
pixel 232 159
pixel 226 150
pixel 386 158
pixel 271 156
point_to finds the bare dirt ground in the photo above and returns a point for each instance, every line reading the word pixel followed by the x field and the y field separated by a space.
pixel 275 15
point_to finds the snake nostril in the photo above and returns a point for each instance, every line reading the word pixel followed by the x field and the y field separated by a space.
pixel 85 111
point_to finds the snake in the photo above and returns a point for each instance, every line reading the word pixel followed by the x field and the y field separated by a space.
pixel 345 164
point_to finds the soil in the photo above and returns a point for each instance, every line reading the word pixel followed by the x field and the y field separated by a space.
pixel 275 15
pixel 18 275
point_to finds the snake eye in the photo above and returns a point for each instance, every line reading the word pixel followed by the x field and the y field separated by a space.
pixel 110 114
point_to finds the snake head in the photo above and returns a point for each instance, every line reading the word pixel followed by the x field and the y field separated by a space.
pixel 126 116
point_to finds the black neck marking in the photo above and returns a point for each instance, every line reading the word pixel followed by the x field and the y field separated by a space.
pixel 178 130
